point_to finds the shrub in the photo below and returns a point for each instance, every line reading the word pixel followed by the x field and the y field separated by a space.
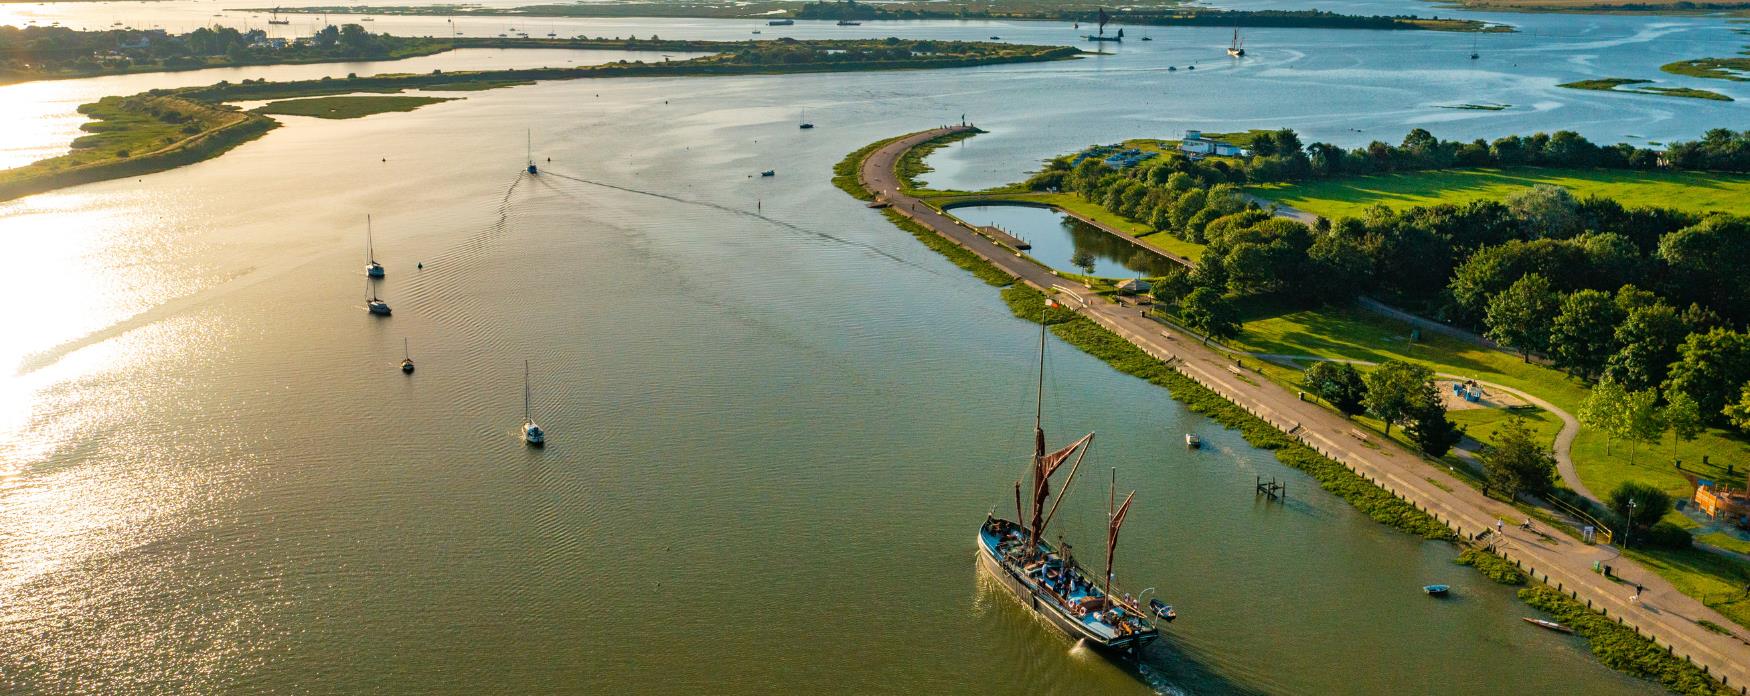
pixel 1491 566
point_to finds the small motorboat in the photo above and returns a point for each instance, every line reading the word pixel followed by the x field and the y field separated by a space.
pixel 996 38
pixel 1551 625
pixel 1190 67
pixel 1192 442
pixel 1172 69
pixel 1436 590
pixel 769 172
pixel 1161 610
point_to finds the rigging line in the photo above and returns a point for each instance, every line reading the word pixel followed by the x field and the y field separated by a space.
pixel 738 211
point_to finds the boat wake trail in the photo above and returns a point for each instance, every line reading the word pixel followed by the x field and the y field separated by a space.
pixel 737 211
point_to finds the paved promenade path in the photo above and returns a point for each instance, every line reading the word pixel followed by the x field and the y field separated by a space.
pixel 1662 612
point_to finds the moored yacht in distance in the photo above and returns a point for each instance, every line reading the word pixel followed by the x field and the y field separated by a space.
pixel 1101 35
pixel 406 357
pixel 1049 580
pixel 1237 49
pixel 532 433
pixel 372 303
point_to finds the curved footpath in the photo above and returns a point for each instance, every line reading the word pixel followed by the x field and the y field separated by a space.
pixel 1665 614
pixel 1564 443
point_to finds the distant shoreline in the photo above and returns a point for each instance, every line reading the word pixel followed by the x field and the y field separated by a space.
pixel 1148 17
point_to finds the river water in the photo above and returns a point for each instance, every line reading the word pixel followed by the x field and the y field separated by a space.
pixel 774 421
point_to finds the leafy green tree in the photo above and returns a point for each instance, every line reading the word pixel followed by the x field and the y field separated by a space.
pixel 1251 269
pixel 1339 268
pixel 1173 286
pixel 1738 413
pixel 1521 315
pixel 1395 390
pixel 1648 336
pixel 1650 503
pixel 1428 426
pixel 1339 384
pixel 1709 257
pixel 1709 367
pixel 1208 312
pixel 1084 260
pixel 1604 409
pixel 1683 418
pixel 1642 420
pixel 1583 335
pixel 1516 461
pixel 1548 211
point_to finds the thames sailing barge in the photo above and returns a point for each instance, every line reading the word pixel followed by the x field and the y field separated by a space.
pixel 1050 581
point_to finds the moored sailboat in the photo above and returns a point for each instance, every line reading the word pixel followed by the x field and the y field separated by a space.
pixel 1049 580
pixel 372 268
pixel 373 304
pixel 532 433
pixel 1101 35
pixel 1237 49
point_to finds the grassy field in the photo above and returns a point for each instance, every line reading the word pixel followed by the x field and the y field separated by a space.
pixel 1351 196
pixel 346 107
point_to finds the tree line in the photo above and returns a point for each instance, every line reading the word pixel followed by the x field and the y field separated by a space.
pixel 49 50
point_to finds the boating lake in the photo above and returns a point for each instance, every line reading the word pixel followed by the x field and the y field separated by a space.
pixel 775 422
pixel 1057 239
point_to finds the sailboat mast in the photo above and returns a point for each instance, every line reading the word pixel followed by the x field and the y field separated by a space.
pixel 1033 526
pixel 405 353
pixel 370 252
pixel 1111 533
pixel 1115 521
pixel 527 414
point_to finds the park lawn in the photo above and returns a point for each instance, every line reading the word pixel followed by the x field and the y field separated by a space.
pixel 1351 196
pixel 1717 581
pixel 1653 463
pixel 346 106
pixel 1724 541
pixel 1353 333
pixel 1481 424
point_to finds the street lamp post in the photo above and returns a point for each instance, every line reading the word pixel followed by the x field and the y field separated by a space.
pixel 1631 522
